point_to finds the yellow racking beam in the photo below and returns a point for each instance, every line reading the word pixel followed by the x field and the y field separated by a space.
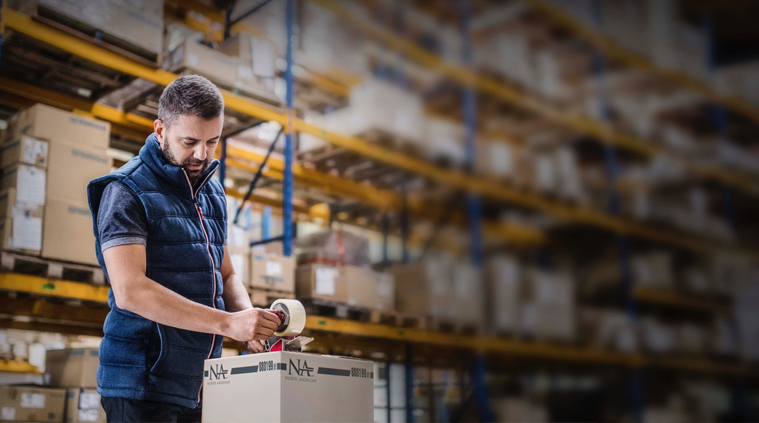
pixel 562 213
pixel 468 77
pixel 618 53
pixel 675 299
pixel 138 127
pixel 384 200
pixel 485 344
pixel 53 287
pixel 18 367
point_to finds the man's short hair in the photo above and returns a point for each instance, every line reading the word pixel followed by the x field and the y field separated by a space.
pixel 190 95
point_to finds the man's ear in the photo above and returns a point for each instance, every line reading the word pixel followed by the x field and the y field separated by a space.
pixel 159 129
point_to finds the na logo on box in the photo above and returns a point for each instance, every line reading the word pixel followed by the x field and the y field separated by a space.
pixel 300 370
pixel 218 372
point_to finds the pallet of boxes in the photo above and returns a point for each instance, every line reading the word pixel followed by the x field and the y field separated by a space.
pixel 267 274
pixel 70 396
pixel 47 160
pixel 440 294
pixel 334 278
pixel 75 371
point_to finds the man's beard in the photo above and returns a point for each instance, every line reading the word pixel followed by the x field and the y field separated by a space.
pixel 194 175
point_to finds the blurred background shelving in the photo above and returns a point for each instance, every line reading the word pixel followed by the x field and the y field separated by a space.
pixel 583 175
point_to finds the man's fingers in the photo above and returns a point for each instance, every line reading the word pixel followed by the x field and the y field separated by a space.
pixel 263 323
pixel 264 332
pixel 268 315
pixel 256 347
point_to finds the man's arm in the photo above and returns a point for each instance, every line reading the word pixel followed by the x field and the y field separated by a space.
pixel 135 292
pixel 235 296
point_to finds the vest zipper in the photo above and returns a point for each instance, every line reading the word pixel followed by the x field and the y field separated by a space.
pixel 208 249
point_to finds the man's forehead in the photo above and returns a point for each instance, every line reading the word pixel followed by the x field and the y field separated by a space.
pixel 196 127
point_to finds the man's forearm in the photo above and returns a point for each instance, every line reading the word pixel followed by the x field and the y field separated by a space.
pixel 155 302
pixel 236 297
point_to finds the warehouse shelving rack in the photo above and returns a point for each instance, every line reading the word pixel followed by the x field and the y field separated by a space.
pixel 87 315
pixel 136 127
pixel 493 190
pixel 511 95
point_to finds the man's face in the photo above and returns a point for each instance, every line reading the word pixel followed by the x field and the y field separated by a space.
pixel 190 142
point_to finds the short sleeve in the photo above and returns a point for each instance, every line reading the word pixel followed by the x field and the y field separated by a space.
pixel 121 217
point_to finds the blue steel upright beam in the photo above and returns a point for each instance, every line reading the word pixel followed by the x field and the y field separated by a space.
pixel 405 232
pixel 287 191
pixel 612 170
pixel 408 366
pixel 719 116
pixel 474 209
pixel 389 410
pixel 738 393
pixel 385 235
pixel 223 161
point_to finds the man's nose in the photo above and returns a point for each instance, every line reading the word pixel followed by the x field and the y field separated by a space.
pixel 199 152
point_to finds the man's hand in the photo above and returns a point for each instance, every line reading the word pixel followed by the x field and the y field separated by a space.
pixel 255 347
pixel 253 324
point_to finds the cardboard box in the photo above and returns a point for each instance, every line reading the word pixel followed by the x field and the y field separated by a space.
pixel 202 60
pixel 72 166
pixel 385 292
pixel 26 150
pixel 320 281
pixel 47 122
pixel 503 275
pixel 28 181
pixel 20 224
pixel 466 303
pixel 73 367
pixel 31 404
pixel 272 271
pixel 367 288
pixel 241 262
pixel 134 25
pixel 67 231
pixel 253 52
pixel 83 405
pixel 361 285
pixel 422 289
pixel 288 387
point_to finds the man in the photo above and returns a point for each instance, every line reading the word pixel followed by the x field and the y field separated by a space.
pixel 160 227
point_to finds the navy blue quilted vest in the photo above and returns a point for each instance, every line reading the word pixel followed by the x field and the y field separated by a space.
pixel 140 359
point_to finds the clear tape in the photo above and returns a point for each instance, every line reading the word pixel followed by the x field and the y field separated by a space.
pixel 297 314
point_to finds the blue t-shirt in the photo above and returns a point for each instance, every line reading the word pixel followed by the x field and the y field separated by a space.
pixel 122 219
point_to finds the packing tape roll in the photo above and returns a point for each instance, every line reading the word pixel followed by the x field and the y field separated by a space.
pixel 296 317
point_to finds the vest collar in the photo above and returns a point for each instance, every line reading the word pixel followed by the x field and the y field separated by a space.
pixel 152 156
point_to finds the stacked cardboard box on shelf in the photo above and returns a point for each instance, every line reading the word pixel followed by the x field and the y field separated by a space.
pixel 32 404
pixel 76 153
pixel 134 25
pixel 22 195
pixel 257 58
pixel 226 71
pixel 378 106
pixel 334 266
pixel 271 270
pixel 548 308
pixel 75 370
pixel 438 288
pixel 503 276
